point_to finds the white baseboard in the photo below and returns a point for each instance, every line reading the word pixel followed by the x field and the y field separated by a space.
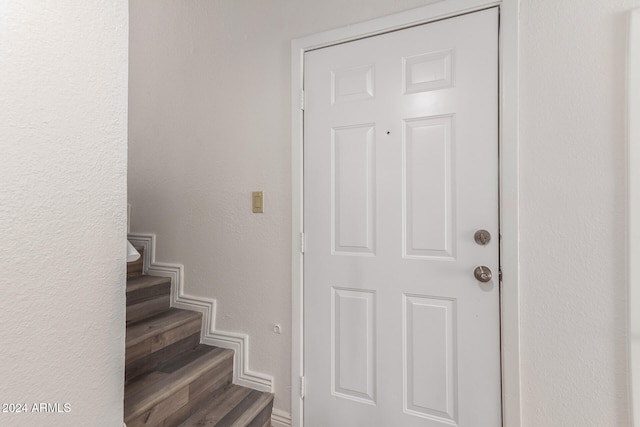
pixel 280 418
pixel 242 375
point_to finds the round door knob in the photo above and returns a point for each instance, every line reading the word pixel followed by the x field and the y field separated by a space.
pixel 482 237
pixel 482 274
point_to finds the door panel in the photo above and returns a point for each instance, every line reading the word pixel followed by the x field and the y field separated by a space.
pixel 400 170
pixel 353 342
pixel 428 220
pixel 431 367
pixel 353 166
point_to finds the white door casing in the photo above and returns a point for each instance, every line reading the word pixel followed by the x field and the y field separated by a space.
pixel 401 169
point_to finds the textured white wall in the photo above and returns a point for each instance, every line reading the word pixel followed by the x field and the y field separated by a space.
pixel 573 202
pixel 210 123
pixel 63 154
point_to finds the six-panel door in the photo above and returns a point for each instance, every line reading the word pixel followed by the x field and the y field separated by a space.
pixel 400 171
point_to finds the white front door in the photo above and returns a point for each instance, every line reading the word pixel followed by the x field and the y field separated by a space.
pixel 400 171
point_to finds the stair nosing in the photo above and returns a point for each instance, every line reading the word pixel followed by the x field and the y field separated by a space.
pixel 174 381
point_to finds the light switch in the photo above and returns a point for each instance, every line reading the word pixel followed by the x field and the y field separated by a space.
pixel 257 201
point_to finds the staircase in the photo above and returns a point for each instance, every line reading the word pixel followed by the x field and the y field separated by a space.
pixel 170 378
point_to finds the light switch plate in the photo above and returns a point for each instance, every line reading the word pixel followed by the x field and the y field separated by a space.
pixel 257 201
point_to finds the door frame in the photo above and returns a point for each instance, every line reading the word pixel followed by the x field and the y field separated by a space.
pixel 508 175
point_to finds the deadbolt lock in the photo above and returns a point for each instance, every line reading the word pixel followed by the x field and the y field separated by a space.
pixel 482 237
pixel 482 274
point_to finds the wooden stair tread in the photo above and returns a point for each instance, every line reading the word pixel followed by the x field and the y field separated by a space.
pixel 143 383
pixel 152 378
pixel 145 281
pixel 171 378
pixel 142 288
pixel 148 308
pixel 237 406
pixel 158 324
pixel 250 409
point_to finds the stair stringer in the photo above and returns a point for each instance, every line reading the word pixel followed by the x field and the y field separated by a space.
pixel 237 342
